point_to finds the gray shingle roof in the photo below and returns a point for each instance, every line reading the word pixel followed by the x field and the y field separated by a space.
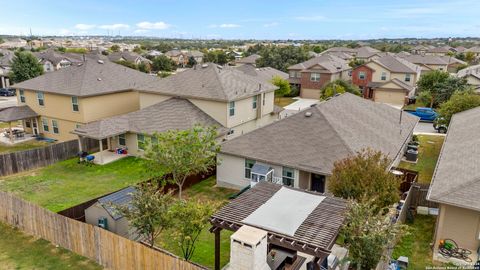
pixel 171 114
pixel 119 198
pixel 425 59
pixel 266 74
pixel 336 128
pixel 251 59
pixel 15 113
pixel 366 52
pixel 330 62
pixel 471 70
pixel 88 78
pixel 456 180
pixel 212 82
pixel 397 64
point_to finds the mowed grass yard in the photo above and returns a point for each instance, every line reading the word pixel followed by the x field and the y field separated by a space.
pixel 20 251
pixel 5 148
pixel 283 101
pixel 67 183
pixel 205 248
pixel 429 150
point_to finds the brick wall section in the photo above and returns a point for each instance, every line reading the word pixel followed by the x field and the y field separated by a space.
pixel 306 83
pixel 368 77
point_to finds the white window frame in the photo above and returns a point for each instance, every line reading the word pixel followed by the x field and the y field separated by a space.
pixel 75 106
pixel 42 99
pixel 141 142
pixel 285 177
pixel 254 102
pixel 55 128
pixel 248 170
pixel 21 94
pixel 122 137
pixel 299 74
pixel 231 108
pixel 45 124
pixel 383 77
pixel 314 77
pixel 292 74
pixel 362 75
pixel 408 77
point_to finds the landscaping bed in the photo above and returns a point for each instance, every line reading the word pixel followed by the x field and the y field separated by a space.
pixel 20 251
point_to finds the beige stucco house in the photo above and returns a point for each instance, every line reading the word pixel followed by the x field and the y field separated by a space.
pixel 300 150
pixel 456 185
pixel 76 95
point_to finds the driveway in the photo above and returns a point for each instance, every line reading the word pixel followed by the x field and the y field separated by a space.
pixel 299 105
pixel 426 128
pixel 7 102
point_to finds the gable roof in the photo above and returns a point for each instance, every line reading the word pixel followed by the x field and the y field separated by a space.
pixel 251 59
pixel 88 78
pixel 444 49
pixel 366 52
pixel 171 114
pixel 456 180
pixel 424 59
pixel 119 198
pixel 15 113
pixel 471 70
pixel 211 82
pixel 336 128
pixel 266 73
pixel 397 64
pixel 128 56
pixel 330 62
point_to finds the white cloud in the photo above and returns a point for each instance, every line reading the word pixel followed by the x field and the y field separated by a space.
pixel 315 18
pixel 82 26
pixel 273 24
pixel 224 25
pixel 115 26
pixel 153 25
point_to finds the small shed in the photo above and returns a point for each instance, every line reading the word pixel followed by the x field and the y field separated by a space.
pixel 103 214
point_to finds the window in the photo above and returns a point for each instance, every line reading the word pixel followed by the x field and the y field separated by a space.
pixel 292 74
pixel 27 124
pixel 141 141
pixel 299 74
pixel 288 176
pixel 45 124
pixel 121 140
pixel 55 126
pixel 22 95
pixel 254 104
pixel 231 108
pixel 248 168
pixel 384 76
pixel 314 77
pixel 40 98
pixel 407 77
pixel 75 104
pixel 77 125
pixel 361 75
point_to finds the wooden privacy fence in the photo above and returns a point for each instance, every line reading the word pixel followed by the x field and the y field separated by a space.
pixel 106 248
pixel 419 196
pixel 20 161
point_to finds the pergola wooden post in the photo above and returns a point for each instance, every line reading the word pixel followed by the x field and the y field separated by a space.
pixel 11 131
pixel 101 151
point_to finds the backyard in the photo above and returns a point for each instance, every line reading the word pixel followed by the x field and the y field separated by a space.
pixel 283 101
pixel 204 251
pixel 20 251
pixel 428 153
pixel 67 183
pixel 4 148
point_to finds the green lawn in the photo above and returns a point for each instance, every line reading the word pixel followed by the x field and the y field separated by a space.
pixel 416 244
pixel 20 251
pixel 429 150
pixel 204 252
pixel 67 183
pixel 4 148
pixel 284 101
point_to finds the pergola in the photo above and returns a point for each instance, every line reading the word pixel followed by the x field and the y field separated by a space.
pixel 315 235
pixel 16 113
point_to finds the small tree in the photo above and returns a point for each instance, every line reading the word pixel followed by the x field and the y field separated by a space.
pixel 191 218
pixel 148 212
pixel 366 173
pixel 367 233
pixel 182 153
pixel 440 86
pixel 162 63
pixel 115 48
pixel 283 86
pixel 338 87
pixel 459 102
pixel 469 57
pixel 25 66
pixel 144 67
pixel 127 64
pixel 191 61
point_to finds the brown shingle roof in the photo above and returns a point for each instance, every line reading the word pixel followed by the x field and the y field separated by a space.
pixel 266 73
pixel 171 114
pixel 15 113
pixel 88 78
pixel 330 62
pixel 251 59
pixel 336 128
pixel 456 180
pixel 397 64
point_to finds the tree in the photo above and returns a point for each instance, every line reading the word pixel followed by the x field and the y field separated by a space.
pixel 338 87
pixel 182 153
pixel 191 218
pixel 115 48
pixel 222 58
pixel 354 63
pixel 469 57
pixel 138 50
pixel 440 85
pixel 191 61
pixel 144 67
pixel 25 66
pixel 283 86
pixel 127 64
pixel 459 102
pixel 281 58
pixel 162 63
pixel 366 173
pixel 366 234
pixel 149 211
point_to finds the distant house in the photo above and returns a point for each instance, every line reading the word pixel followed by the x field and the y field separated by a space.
pixel 300 150
pixel 453 64
pixel 472 74
pixel 250 60
pixel 456 185
pixel 103 213
pixel 387 79
pixel 440 51
pixel 128 56
pixel 421 49
pixel 367 53
pixel 315 73
pixel 178 57
pixel 5 67
pixel 154 53
pixel 197 55
pixel 53 60
pixel 427 62
pixel 266 73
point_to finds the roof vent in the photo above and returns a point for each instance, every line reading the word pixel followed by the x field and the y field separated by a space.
pixel 204 65
pixel 100 61
pixel 219 67
pixel 308 114
pixel 99 79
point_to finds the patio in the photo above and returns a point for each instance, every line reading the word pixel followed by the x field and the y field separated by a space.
pixel 18 137
pixel 12 115
pixel 107 156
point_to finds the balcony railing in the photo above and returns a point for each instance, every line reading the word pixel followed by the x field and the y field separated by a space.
pixel 277 180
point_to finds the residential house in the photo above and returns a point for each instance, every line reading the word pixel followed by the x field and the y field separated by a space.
pixel 78 94
pixel 421 49
pixel 154 53
pixel 300 150
pixel 129 57
pixel 456 185
pixel 387 79
pixel 236 54
pixel 265 74
pixel 6 58
pixel 315 73
pixel 427 63
pixel 197 55
pixel 475 50
pixel 238 101
pixel 250 60
pixel 453 64
pixel 103 213
pixel 472 74
pixel 367 53
pixel 52 60
pixel 178 57
pixel 441 51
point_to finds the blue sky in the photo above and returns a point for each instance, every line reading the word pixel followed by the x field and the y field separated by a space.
pixel 258 19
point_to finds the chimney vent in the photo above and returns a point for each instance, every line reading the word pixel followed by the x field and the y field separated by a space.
pixel 308 114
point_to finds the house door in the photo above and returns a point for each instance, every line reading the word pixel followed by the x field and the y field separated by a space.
pixel 318 183
pixel 34 126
